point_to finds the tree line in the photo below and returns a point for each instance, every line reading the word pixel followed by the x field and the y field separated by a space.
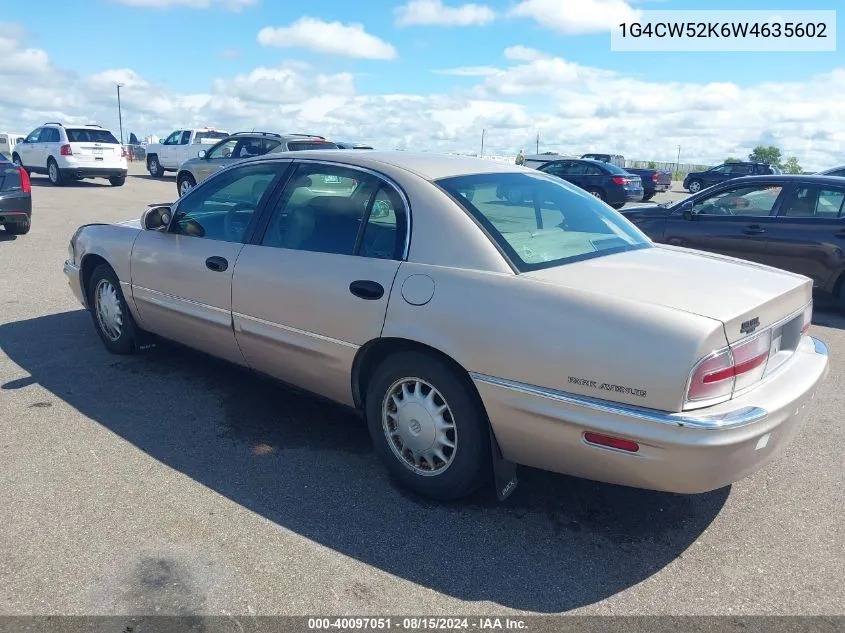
pixel 773 156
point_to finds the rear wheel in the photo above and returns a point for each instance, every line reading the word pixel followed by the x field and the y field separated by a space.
pixel 117 181
pixel 648 197
pixel 597 193
pixel 154 167
pixel 18 228
pixel 695 186
pixel 428 427
pixel 54 173
pixel 111 315
pixel 618 205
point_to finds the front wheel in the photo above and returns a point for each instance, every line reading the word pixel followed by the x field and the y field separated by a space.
pixel 117 181
pixel 597 193
pixel 695 186
pixel 185 184
pixel 111 315
pixel 428 426
pixel 54 173
pixel 618 205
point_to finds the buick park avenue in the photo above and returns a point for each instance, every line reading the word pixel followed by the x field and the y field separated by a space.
pixel 472 333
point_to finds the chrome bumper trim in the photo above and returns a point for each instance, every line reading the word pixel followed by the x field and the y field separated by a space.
pixel 728 420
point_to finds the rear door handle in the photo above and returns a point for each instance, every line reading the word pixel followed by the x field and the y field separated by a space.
pixel 217 264
pixel 366 289
pixel 754 229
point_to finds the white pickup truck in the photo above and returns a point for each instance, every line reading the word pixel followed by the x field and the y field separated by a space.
pixel 179 147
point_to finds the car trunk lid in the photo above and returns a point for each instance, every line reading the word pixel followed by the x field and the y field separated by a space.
pixel 746 297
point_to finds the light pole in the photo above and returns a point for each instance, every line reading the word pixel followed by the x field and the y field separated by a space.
pixel 678 164
pixel 482 143
pixel 119 113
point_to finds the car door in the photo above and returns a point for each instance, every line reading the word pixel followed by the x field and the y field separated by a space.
pixel 808 235
pixel 182 277
pixel 181 152
pixel 732 220
pixel 50 143
pixel 216 158
pixel 314 287
pixel 716 175
pixel 166 156
pixel 28 150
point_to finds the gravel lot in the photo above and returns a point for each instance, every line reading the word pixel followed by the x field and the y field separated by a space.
pixel 170 483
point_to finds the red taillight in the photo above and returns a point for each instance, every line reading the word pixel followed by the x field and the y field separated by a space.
pixel 26 186
pixel 807 319
pixel 654 176
pixel 720 375
pixel 65 150
pixel 123 151
pixel 620 180
pixel 611 442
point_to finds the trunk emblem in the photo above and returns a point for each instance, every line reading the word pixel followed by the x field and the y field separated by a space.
pixel 749 326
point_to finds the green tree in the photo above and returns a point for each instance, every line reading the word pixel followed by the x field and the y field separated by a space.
pixel 731 159
pixel 761 154
pixel 791 166
pixel 652 165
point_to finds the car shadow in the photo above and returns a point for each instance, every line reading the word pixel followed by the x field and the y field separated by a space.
pixel 69 183
pixel 827 314
pixel 154 178
pixel 556 544
pixel 5 236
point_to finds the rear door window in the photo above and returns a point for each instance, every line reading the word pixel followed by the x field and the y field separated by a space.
pixel 199 137
pixel 296 146
pixel 814 202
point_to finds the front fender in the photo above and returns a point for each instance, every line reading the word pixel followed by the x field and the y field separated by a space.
pixel 109 242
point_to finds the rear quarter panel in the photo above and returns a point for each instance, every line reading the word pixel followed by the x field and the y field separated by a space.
pixel 514 328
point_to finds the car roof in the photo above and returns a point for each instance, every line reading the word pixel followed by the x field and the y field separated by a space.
pixel 813 179
pixel 827 171
pixel 430 166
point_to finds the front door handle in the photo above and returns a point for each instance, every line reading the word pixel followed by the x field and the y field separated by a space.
pixel 754 229
pixel 217 264
pixel 366 289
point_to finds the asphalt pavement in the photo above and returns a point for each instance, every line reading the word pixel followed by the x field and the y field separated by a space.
pixel 167 482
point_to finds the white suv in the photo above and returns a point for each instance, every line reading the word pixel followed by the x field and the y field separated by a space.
pixel 72 152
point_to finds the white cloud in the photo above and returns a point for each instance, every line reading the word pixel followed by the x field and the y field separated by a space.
pixel 229 53
pixel 523 53
pixel 435 13
pixel 334 38
pixel 575 17
pixel 576 108
pixel 231 5
pixel 468 71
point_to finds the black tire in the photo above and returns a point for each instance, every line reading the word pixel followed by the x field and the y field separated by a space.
pixel 470 460
pixel 598 193
pixel 189 180
pixel 16 159
pixel 647 197
pixel 54 174
pixel 618 205
pixel 125 342
pixel 18 228
pixel 154 167
pixel 695 186
pixel 117 181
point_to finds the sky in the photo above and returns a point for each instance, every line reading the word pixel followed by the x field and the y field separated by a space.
pixel 424 75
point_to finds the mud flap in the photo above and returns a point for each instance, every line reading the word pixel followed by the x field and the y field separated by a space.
pixel 504 472
pixel 144 341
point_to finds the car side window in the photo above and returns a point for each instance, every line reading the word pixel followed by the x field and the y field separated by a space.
pixel 222 207
pixel 813 202
pixel 223 150
pixel 186 137
pixel 755 200
pixel 742 170
pixel 554 169
pixel 593 170
pixel 173 139
pixel 721 169
pixel 576 169
pixel 33 136
pixel 47 135
pixel 325 207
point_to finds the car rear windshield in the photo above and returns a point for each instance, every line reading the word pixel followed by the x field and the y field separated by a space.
pixel 540 221
pixel 209 136
pixel 613 169
pixel 10 176
pixel 298 146
pixel 84 135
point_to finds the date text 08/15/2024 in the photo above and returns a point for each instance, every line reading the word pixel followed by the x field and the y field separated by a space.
pixel 417 624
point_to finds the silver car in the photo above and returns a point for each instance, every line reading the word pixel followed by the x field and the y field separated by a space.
pixel 239 146
pixel 473 334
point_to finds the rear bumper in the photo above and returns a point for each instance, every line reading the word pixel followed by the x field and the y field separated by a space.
pixel 93 172
pixel 688 452
pixel 15 207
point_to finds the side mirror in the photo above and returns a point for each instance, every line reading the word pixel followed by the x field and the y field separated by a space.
pixel 201 153
pixel 156 217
